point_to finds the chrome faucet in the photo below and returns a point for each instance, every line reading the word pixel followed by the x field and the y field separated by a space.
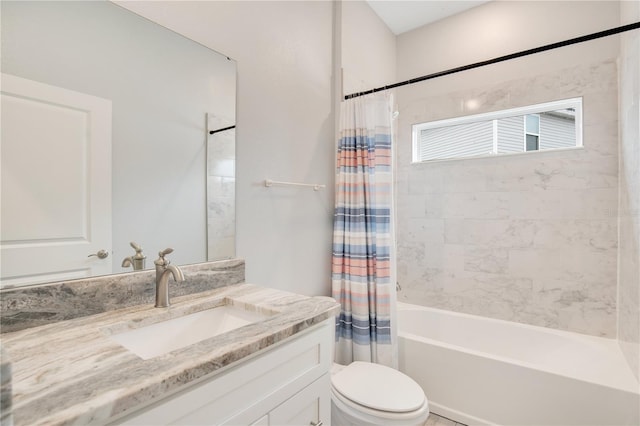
pixel 163 270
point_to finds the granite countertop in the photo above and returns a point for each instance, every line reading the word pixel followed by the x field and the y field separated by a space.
pixel 72 372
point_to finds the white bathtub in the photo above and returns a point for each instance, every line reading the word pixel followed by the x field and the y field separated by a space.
pixel 482 371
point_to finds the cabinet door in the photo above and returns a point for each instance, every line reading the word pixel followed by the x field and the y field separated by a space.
pixel 310 406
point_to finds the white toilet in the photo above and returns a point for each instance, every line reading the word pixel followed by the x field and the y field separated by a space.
pixel 364 393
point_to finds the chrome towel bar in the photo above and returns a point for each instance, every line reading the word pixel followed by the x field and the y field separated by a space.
pixel 316 186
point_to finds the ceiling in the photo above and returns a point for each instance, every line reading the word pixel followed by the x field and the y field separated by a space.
pixel 405 15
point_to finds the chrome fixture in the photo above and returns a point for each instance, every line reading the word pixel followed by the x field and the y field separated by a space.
pixel 163 270
pixel 137 260
pixel 316 186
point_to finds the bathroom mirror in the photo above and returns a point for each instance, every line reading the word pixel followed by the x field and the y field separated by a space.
pixel 157 96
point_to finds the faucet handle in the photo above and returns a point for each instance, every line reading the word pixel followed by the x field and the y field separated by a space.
pixel 165 252
pixel 161 260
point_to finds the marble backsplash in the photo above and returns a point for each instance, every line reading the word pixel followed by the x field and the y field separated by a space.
pixel 529 237
pixel 25 307
pixel 6 417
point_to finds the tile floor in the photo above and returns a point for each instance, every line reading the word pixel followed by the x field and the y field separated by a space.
pixel 436 420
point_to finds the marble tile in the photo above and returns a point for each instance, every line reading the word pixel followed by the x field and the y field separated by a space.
pixel 500 233
pixel 465 176
pixel 597 137
pixel 453 257
pixel 629 291
pixel 600 78
pixel 578 306
pixel 221 146
pixel 486 259
pixel 220 186
pixel 589 317
pixel 476 205
pixel 411 252
pixel 589 266
pixel 454 231
pixel 412 292
pixel 496 295
pixel 423 229
pixel 543 218
pixel 221 216
pixel 433 204
pixel 6 416
pixel 629 212
pixel 493 295
pixel 582 171
pixel 401 182
pixel 514 174
pixel 411 206
pixel 223 167
pixel 425 179
pixel 569 234
pixel 224 248
pixel 564 204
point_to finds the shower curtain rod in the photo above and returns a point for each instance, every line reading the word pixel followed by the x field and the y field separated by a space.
pixel 211 132
pixel 581 39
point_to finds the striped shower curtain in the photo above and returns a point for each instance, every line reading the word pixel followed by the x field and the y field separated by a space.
pixel 362 237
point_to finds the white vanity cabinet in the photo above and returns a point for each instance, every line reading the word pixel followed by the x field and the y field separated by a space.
pixel 287 384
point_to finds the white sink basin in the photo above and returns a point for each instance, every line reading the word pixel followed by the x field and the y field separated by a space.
pixel 161 338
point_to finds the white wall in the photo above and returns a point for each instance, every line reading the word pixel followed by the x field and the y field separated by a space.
pixel 285 128
pixel 368 49
pixel 531 237
pixel 502 27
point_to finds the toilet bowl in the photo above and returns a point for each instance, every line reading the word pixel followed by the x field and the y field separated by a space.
pixel 364 393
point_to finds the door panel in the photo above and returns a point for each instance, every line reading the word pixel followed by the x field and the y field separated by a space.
pixel 55 183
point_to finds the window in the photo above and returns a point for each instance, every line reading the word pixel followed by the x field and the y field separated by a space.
pixel 538 127
pixel 532 132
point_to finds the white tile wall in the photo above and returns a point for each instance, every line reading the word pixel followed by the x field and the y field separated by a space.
pixel 529 238
pixel 629 256
pixel 221 184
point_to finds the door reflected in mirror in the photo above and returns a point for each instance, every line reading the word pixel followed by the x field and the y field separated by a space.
pixel 165 91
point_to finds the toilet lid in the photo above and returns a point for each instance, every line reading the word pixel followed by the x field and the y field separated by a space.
pixel 378 387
